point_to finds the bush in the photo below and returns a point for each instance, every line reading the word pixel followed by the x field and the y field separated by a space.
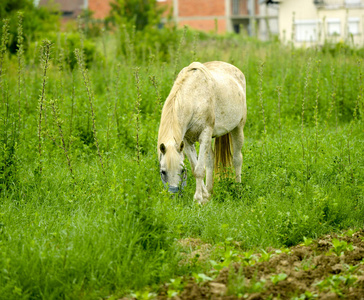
pixel 38 22
pixel 135 13
pixel 73 41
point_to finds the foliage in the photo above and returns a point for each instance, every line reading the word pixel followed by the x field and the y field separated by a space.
pixel 336 283
pixel 141 32
pixel 278 278
pixel 339 247
pixel 135 13
pixel 241 287
pixel 37 22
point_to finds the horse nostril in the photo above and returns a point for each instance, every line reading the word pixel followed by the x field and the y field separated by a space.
pixel 173 189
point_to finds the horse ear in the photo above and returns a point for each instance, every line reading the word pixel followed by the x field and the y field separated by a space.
pixel 162 147
pixel 181 146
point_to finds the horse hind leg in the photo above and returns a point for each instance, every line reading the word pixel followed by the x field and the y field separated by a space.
pixel 237 136
pixel 209 170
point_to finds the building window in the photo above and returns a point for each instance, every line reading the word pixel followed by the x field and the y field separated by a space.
pixel 353 26
pixel 236 6
pixel 353 2
pixel 306 30
pixel 333 26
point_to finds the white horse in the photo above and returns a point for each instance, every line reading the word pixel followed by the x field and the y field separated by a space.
pixel 206 101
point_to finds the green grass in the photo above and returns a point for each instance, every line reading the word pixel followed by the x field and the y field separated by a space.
pixel 103 234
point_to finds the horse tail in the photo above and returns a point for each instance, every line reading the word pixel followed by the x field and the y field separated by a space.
pixel 223 153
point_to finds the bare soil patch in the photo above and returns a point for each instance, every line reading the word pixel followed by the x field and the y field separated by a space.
pixel 331 267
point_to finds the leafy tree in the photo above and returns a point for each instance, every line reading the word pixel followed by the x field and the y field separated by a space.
pixel 139 21
pixel 37 21
pixel 138 13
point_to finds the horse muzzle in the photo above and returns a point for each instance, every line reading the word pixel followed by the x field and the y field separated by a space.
pixel 173 189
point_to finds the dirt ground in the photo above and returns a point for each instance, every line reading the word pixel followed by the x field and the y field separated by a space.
pixel 331 267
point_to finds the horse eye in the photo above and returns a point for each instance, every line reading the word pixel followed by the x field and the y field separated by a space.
pixel 163 173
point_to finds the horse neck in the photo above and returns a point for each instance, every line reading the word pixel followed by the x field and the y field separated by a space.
pixel 172 127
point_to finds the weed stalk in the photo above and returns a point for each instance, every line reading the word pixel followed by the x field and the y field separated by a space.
pixel 332 96
pixel 318 63
pixel 45 59
pixel 108 118
pixel 61 73
pixel 137 113
pixel 58 122
pixel 194 46
pixel 3 46
pixel 130 44
pixel 72 110
pixel 178 53
pixel 304 100
pixel 80 25
pixel 20 56
pixel 359 105
pixel 150 61
pixel 159 103
pixel 86 80
pixel 116 102
pixel 279 94
pixel 261 101
pixel 103 34
pixel 293 29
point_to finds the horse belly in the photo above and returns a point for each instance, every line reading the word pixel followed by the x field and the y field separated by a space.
pixel 230 108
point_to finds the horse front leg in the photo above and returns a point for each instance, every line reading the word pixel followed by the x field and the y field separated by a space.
pixel 202 195
pixel 191 155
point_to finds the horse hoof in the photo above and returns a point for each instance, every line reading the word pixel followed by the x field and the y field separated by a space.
pixel 206 195
pixel 202 200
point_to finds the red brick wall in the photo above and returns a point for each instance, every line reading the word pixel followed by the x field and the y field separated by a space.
pixel 189 12
pixel 100 8
pixel 205 25
pixel 188 8
pixel 168 5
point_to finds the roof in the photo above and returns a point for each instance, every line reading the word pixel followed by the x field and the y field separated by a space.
pixel 66 5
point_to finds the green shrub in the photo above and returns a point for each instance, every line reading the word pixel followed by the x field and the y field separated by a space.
pixel 73 41
pixel 38 22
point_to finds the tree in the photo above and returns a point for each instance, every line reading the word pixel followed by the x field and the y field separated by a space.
pixel 138 13
pixel 37 21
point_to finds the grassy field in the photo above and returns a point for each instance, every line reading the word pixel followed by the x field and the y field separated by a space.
pixel 83 213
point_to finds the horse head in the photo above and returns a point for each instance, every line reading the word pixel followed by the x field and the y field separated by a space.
pixel 171 166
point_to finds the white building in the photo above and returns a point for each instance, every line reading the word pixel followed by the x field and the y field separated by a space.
pixel 308 22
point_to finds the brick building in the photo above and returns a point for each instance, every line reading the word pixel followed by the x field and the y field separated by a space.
pixel 254 16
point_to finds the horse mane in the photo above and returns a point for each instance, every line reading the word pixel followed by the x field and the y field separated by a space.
pixel 169 127
pixel 170 131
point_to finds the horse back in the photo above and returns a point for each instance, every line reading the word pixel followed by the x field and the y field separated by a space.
pixel 227 69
